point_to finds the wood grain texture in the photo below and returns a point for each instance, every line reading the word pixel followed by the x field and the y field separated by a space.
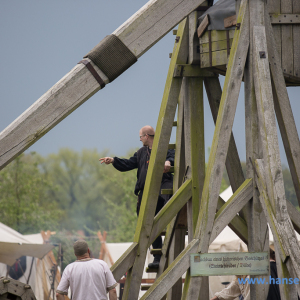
pixel 296 40
pixel 152 22
pixel 271 165
pixel 203 26
pixel 229 210
pixel 216 35
pixel 156 164
pixel 287 40
pixel 172 273
pixel 284 113
pixel 219 148
pixel 258 231
pixel 193 38
pixel 282 229
pixel 219 58
pixel 167 213
pixel 125 262
pixel 56 104
pixel 230 21
pixel 215 46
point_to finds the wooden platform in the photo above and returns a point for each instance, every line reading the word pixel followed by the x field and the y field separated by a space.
pixel 215 45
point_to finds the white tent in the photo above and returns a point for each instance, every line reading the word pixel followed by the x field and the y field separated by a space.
pixel 13 245
pixel 39 259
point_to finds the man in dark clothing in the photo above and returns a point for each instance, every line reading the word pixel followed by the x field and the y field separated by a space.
pixel 140 161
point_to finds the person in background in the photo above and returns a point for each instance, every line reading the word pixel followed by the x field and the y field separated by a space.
pixel 87 277
pixel 140 161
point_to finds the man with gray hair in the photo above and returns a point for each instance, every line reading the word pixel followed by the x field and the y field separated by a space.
pixel 88 278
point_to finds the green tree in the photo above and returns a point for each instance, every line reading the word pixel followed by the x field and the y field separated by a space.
pixel 92 195
pixel 25 204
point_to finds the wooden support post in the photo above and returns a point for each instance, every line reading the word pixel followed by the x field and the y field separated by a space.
pixel 156 164
pixel 233 163
pixel 139 33
pixel 238 225
pixel 221 139
pixel 125 262
pixel 283 111
pixel 287 46
pixel 285 239
pixel 296 40
pixel 227 213
pixel 272 173
pixel 258 231
pixel 170 210
pixel 182 262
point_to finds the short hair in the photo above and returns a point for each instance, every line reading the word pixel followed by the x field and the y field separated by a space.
pixel 80 247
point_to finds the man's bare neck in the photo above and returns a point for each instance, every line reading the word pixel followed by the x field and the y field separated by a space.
pixel 85 256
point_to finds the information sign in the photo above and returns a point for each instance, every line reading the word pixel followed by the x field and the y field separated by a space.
pixel 230 263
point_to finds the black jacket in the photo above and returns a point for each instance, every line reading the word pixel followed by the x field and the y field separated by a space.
pixel 140 161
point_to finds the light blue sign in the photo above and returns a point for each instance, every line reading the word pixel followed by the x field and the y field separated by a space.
pixel 229 263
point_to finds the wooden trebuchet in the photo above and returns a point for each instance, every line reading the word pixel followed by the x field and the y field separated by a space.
pixel 134 38
pixel 14 289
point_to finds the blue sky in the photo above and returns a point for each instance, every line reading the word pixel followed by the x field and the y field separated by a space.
pixel 41 41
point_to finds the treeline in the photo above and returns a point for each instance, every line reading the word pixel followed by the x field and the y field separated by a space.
pixel 71 191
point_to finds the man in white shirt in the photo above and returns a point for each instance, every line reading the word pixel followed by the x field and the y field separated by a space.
pixel 88 278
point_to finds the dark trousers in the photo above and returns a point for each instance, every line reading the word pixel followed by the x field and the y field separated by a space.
pixel 162 200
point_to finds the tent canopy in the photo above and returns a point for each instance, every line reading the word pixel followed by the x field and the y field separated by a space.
pixel 13 245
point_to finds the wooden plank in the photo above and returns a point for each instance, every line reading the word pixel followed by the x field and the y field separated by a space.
pixel 62 99
pixel 233 163
pixel 296 40
pixel 238 225
pixel 282 229
pixel 272 172
pixel 103 244
pixel 203 26
pixel 172 273
pixel 195 97
pixel 193 38
pixel 258 231
pixel 294 215
pixel 183 70
pixel 125 262
pixel 284 113
pixel 285 19
pixel 156 18
pixel 218 153
pixel 156 164
pixel 287 40
pixel 274 6
pixel 138 33
pixel 229 210
pixel 177 245
pixel 216 35
pixel 219 58
pixel 230 21
pixel 184 94
pixel 169 211
pixel 215 46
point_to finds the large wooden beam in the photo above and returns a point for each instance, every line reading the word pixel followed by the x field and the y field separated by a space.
pixel 125 262
pixel 170 210
pixel 269 171
pixel 182 262
pixel 238 200
pixel 139 33
pixel 156 164
pixel 283 111
pixel 219 149
pixel 258 231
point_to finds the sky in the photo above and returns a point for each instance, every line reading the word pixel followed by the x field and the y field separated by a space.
pixel 41 41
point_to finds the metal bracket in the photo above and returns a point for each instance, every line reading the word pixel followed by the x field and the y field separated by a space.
pixel 238 26
pixel 177 39
pixel 262 54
